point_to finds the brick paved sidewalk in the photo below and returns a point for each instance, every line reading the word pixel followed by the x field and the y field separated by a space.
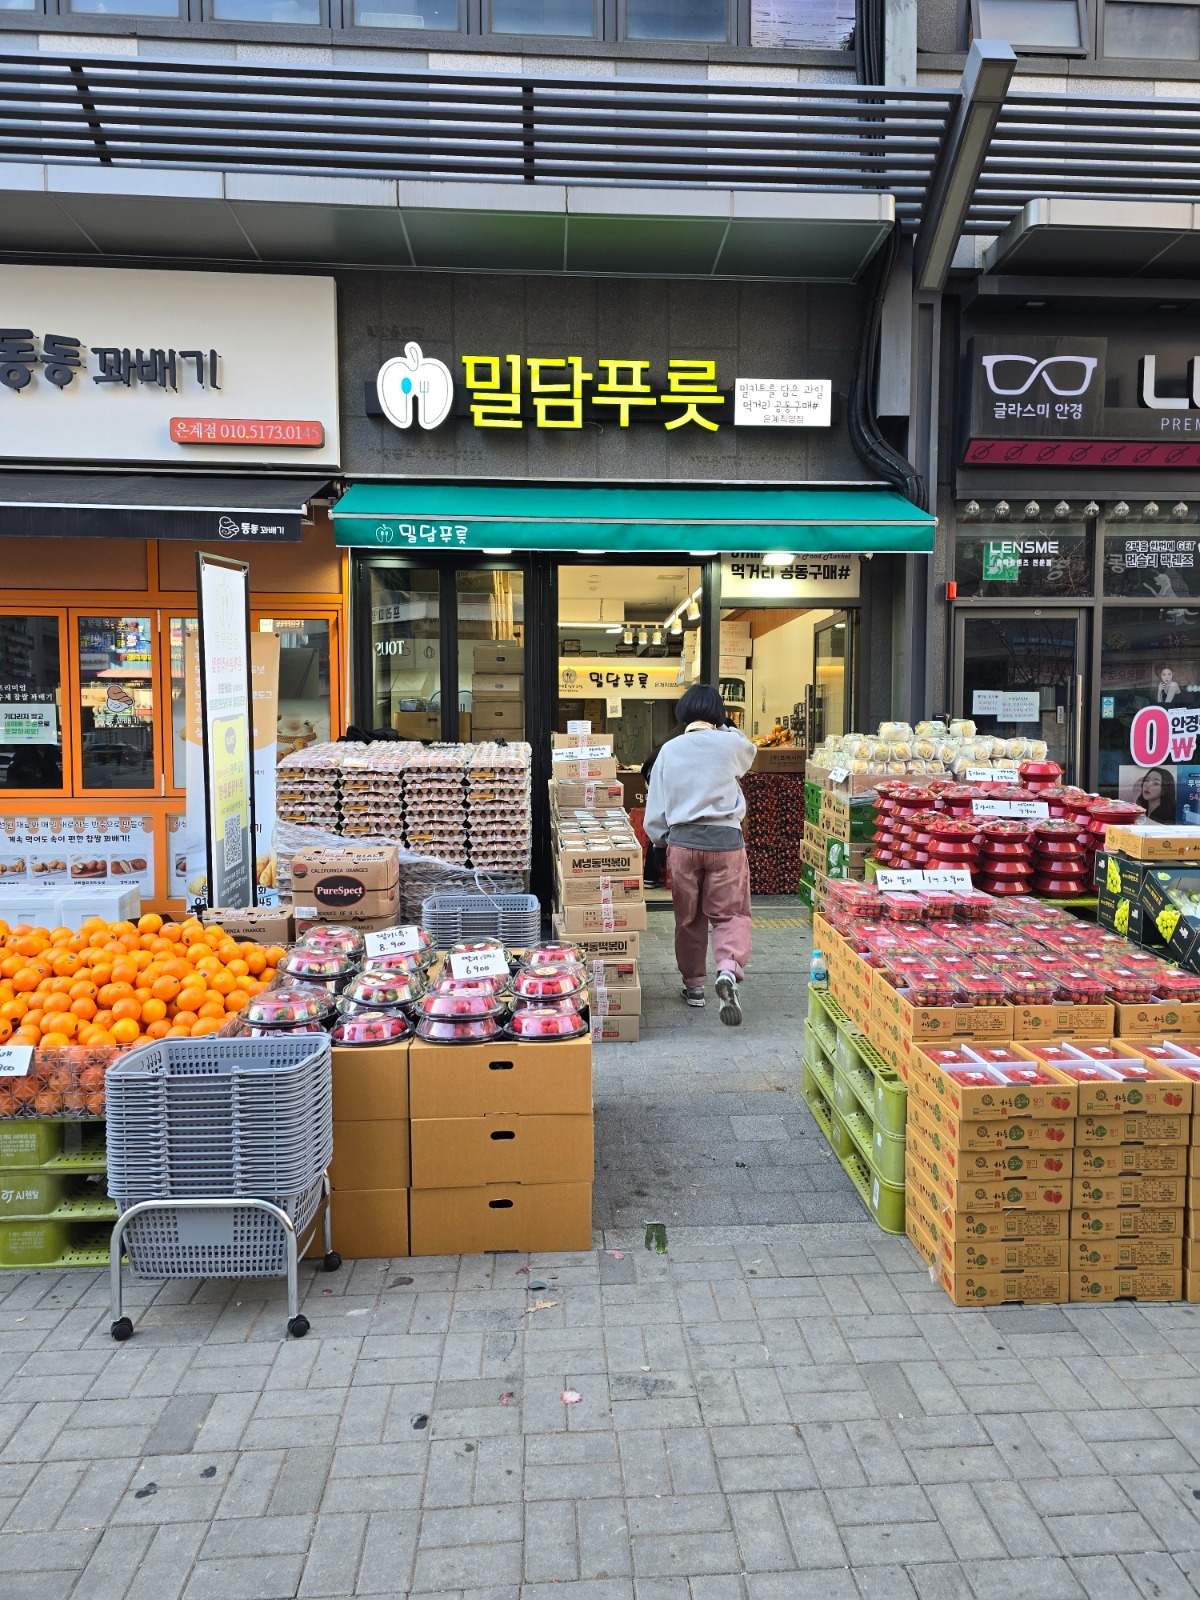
pixel 775 1409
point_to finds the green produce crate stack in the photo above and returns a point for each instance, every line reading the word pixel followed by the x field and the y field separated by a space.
pixel 812 802
pixel 859 1104
pixel 54 1204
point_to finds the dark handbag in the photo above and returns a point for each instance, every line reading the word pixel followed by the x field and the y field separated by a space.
pixel 655 868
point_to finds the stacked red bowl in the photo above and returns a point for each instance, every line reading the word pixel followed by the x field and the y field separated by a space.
pixel 1005 858
pixel 1060 863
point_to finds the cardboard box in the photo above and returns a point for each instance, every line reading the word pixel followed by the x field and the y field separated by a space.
pixel 497 685
pixel 506 1078
pixel 263 924
pixel 1132 1128
pixel 584 796
pixel 984 1254
pixel 981 1133
pixel 930 1177
pixel 940 1023
pixel 1170 1094
pixel 1002 1225
pixel 464 1152
pixel 1055 1102
pixel 1115 1160
pixel 1113 1255
pixel 1105 1190
pixel 598 769
pixel 574 741
pixel 1140 1283
pixel 368 1224
pixel 370 1083
pixel 525 1217
pixel 1019 1159
pixel 309 916
pixel 370 1155
pixel 634 788
pixel 1029 1284
pixel 616 1028
pixel 613 971
pixel 1191 1287
pixel 600 860
pixel 621 1002
pixel 592 891
pixel 348 882
pixel 1149 841
pixel 506 717
pixel 1064 1022
pixel 503 657
pixel 781 758
pixel 1131 1222
pixel 618 947
pixel 608 916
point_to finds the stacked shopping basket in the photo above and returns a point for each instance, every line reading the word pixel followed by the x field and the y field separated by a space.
pixel 217 1150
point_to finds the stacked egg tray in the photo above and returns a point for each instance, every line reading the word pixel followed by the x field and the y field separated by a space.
pixel 435 802
pixel 54 1208
pixel 859 1104
pixel 373 790
pixel 308 785
pixel 499 815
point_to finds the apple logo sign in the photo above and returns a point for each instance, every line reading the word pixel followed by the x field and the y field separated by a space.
pixel 414 378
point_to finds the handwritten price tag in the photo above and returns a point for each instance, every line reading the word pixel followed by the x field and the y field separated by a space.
pixel 891 881
pixel 991 775
pixel 394 942
pixel 1028 810
pixel 838 774
pixel 949 880
pixel 578 728
pixel 478 964
pixel 582 752
pixel 16 1060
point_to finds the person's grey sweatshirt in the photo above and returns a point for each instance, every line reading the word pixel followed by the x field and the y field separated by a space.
pixel 694 797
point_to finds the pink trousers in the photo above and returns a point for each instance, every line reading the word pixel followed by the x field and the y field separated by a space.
pixel 710 886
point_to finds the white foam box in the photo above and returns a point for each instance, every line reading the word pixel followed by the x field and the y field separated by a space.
pixel 40 908
pixel 108 901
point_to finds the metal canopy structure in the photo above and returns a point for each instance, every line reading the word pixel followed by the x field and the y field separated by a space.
pixel 1158 240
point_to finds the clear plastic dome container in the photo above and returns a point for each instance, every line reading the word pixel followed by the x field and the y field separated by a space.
pixel 334 936
pixel 383 990
pixel 547 1022
pixel 287 1008
pixel 547 981
pixel 458 1030
pixel 331 968
pixel 367 1027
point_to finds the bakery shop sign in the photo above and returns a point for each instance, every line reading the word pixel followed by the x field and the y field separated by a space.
pixel 1043 402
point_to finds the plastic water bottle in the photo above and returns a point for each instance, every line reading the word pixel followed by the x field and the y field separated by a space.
pixel 818 972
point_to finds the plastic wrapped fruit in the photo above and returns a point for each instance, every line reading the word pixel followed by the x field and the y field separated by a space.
pixel 931 986
pixel 371 1027
pixel 980 988
pixel 330 968
pixel 493 987
pixel 451 1004
pixel 251 1030
pixel 333 936
pixel 407 963
pixel 547 1022
pixel 1130 988
pixel 458 1030
pixel 383 990
pixel 286 1008
pixel 472 947
pixel 547 982
pixel 939 907
pixel 1080 988
pixel 1182 987
pixel 1026 987
pixel 903 907
pixel 554 951
pixel 1023 1072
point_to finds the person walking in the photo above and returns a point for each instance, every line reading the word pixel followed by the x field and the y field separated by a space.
pixel 695 807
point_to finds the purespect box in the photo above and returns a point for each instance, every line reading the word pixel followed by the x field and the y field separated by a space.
pixel 347 883
pixel 997 1133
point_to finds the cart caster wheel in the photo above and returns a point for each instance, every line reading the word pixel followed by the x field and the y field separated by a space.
pixel 332 1261
pixel 298 1327
pixel 122 1329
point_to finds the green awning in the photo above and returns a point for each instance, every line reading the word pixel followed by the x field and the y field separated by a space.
pixel 472 516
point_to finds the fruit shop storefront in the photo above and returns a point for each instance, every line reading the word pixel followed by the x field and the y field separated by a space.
pixel 196 420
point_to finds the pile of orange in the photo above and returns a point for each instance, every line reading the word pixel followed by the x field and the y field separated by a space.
pixel 125 983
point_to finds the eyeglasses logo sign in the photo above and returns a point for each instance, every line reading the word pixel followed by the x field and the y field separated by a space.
pixel 415 381
pixel 1014 375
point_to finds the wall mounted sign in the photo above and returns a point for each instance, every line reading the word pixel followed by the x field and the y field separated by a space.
pixel 66 851
pixel 192 368
pixel 600 677
pixel 804 580
pixel 511 391
pixel 1043 401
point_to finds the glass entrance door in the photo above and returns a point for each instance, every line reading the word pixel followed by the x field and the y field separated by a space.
pixel 832 693
pixel 1020 676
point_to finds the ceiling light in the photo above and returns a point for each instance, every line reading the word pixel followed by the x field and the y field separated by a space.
pixel 1150 509
pixel 495 550
pixel 704 552
pixel 1002 508
pixel 1179 509
pixel 971 509
pixel 778 558
pixel 1091 509
pixel 1121 509
pixel 627 636
pixel 656 636
pixel 1062 509
pixel 675 627
pixel 693 611
pixel 643 636
pixel 1032 509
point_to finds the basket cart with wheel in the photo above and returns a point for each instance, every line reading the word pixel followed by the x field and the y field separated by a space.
pixel 217 1158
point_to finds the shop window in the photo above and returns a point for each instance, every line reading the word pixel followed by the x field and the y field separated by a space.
pixel 305 664
pixel 1150 657
pixel 1151 560
pixel 1058 27
pixel 1013 560
pixel 491 652
pixel 405 683
pixel 30 704
pixel 575 19
pixel 703 20
pixel 444 14
pixel 1151 32
pixel 116 703
pixel 801 25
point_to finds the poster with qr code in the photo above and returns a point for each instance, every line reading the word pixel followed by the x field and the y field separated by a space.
pixel 227 724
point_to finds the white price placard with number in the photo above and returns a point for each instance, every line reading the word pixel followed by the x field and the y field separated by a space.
pixel 991 775
pixel 16 1060
pixel 892 880
pixel 394 942
pixel 986 703
pixel 478 964
pixel 582 752
pixel 838 774
pixel 579 729
pixel 1026 810
pixel 948 880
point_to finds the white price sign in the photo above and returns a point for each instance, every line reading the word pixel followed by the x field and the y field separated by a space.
pixel 478 964
pixel 1023 707
pixel 891 880
pixel 579 729
pixel 16 1060
pixel 1028 810
pixel 949 881
pixel 582 752
pixel 838 774
pixel 394 942
pixel 986 703
pixel 991 775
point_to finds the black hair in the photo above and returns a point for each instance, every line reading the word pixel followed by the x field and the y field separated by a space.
pixel 1165 808
pixel 701 703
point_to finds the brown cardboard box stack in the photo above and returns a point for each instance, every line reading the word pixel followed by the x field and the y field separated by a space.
pixel 498 691
pixel 502 1146
pixel 988 1185
pixel 355 884
pixel 1130 1186
pixel 369 1173
pixel 599 900
pixel 1191 1245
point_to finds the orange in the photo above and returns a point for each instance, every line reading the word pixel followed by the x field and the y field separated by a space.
pixel 122 927
pixel 150 923
pixel 275 954
pixel 101 973
pixel 82 989
pixel 237 966
pixel 205 1025
pixel 194 952
pixel 223 982
pixel 31 945
pixel 178 1033
pixel 25 980
pixel 101 1039
pixel 5 1029
pixel 125 1031
pixel 14 1010
pixel 166 987
pixel 256 960
pixel 153 1010
pixel 236 1000
pixel 161 946
pixel 54 1041
pixel 171 932
pixel 102 1018
pixel 83 1008
pixel 115 991
pixel 64 1022
pixel 212 1008
pixel 57 985
pixel 195 994
pixel 65 964
pixel 11 965
pixel 98 940
pixel 158 1030
pixel 56 1003
pixel 142 994
pixel 124 972
pixel 177 967
pixel 126 1009
pixel 184 1020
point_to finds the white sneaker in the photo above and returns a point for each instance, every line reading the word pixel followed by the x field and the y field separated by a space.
pixel 731 1005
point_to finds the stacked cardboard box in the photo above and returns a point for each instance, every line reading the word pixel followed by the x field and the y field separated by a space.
pixel 501 1159
pixel 837 834
pixel 599 901
pixel 359 885
pixel 988 1181
pixel 369 1173
pixel 498 691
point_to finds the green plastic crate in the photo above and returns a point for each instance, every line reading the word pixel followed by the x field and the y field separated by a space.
pixel 42 1241
pixel 818 1105
pixel 861 1082
pixel 891 1102
pixel 887 1156
pixel 844 1098
pixel 884 1201
pixel 62 1146
pixel 37 1191
pixel 846 1054
pixel 78 1245
pixel 860 1131
pixel 822 1071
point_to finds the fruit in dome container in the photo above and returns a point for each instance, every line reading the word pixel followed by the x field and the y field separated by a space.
pixel 554 951
pixel 287 1008
pixel 370 1028
pixel 471 947
pixel 546 1022
pixel 449 1004
pixel 383 990
pixel 401 963
pixel 547 982
pixel 330 968
pixel 457 1030
pixel 252 1030
pixel 334 936
pixel 495 987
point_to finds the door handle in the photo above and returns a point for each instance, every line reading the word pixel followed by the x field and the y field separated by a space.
pixel 1077 740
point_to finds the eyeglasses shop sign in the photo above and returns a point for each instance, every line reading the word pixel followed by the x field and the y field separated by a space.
pixel 748 578
pixel 193 369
